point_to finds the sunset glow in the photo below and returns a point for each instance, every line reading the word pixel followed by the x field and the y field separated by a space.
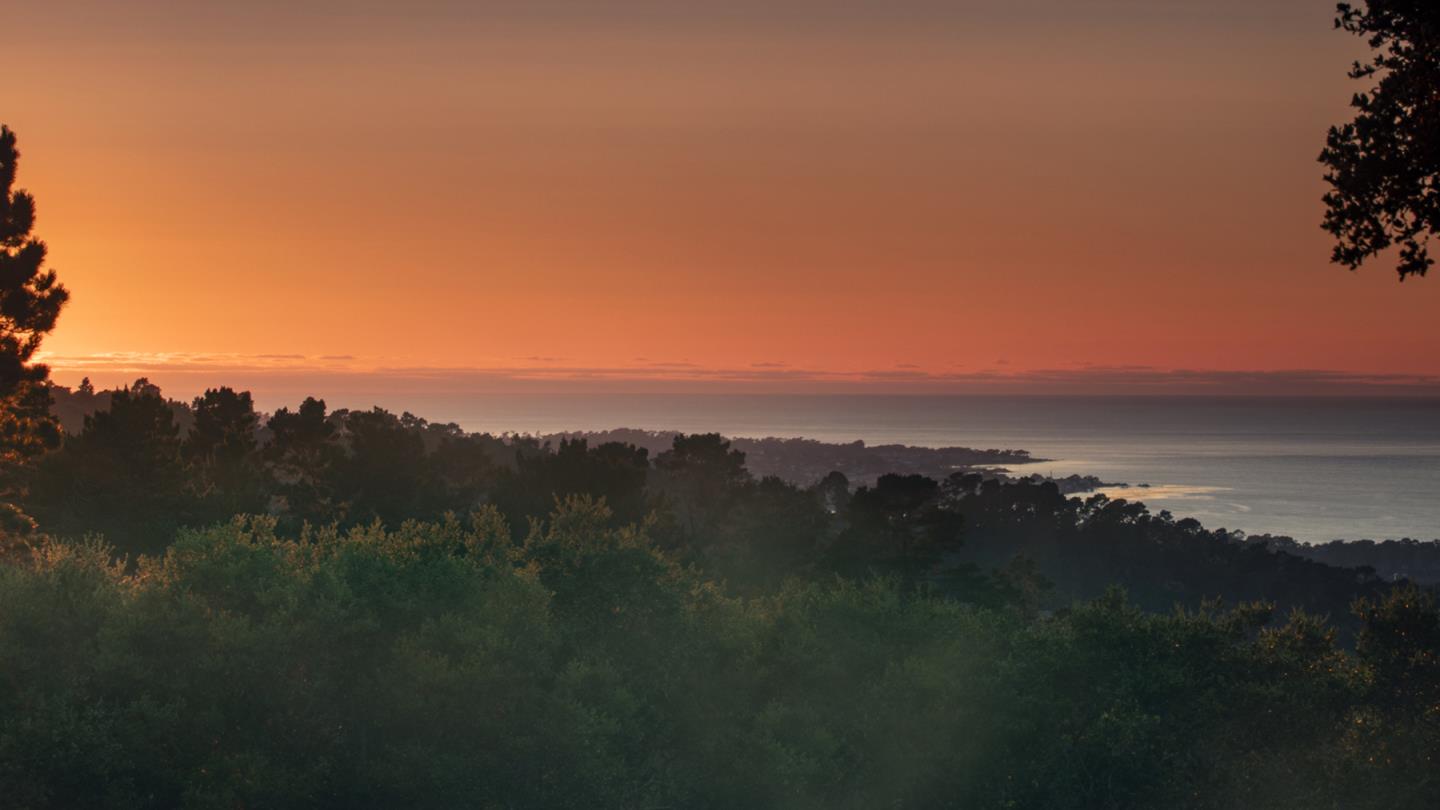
pixel 738 199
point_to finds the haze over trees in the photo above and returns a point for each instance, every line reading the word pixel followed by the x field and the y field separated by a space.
pixel 143 467
pixel 451 665
pixel 1384 165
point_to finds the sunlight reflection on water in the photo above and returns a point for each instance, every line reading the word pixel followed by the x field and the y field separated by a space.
pixel 1315 468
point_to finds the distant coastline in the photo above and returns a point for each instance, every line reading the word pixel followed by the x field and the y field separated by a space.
pixel 1316 469
pixel 805 461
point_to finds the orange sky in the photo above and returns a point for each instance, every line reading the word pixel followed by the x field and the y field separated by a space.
pixel 876 193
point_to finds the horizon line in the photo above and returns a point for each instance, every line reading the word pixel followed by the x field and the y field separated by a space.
pixel 282 374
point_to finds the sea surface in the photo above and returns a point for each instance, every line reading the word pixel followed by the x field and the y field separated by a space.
pixel 1315 469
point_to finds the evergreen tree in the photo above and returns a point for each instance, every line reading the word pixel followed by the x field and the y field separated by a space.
pixel 223 454
pixel 383 475
pixel 303 456
pixel 699 476
pixel 121 477
pixel 30 302
pixel 1384 166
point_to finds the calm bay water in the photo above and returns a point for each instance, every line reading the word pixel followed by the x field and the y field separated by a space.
pixel 1313 468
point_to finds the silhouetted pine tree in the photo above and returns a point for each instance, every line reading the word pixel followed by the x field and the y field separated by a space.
pixel 30 303
pixel 1384 166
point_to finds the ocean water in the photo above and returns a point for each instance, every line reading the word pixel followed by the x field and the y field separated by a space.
pixel 1313 468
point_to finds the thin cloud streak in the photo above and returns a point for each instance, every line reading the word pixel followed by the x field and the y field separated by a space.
pixel 331 372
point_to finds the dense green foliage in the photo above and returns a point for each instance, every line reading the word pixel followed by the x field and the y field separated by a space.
pixel 609 628
pixel 450 665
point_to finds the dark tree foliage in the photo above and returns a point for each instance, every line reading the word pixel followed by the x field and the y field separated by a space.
pixel 1384 166
pixel 1415 560
pixel 27 430
pixel 382 474
pixel 304 453
pixel 699 475
pixel 122 476
pixel 834 492
pixel 1399 643
pixel 773 530
pixel 305 466
pixel 30 302
pixel 462 466
pixel 900 524
pixel 614 472
pixel 722 642
pixel 707 458
pixel 30 295
pixel 445 665
pixel 222 453
pixel 971 536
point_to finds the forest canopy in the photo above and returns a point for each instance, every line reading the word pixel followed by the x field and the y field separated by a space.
pixel 451 664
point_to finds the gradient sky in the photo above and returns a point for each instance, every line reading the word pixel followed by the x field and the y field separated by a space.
pixel 897 195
